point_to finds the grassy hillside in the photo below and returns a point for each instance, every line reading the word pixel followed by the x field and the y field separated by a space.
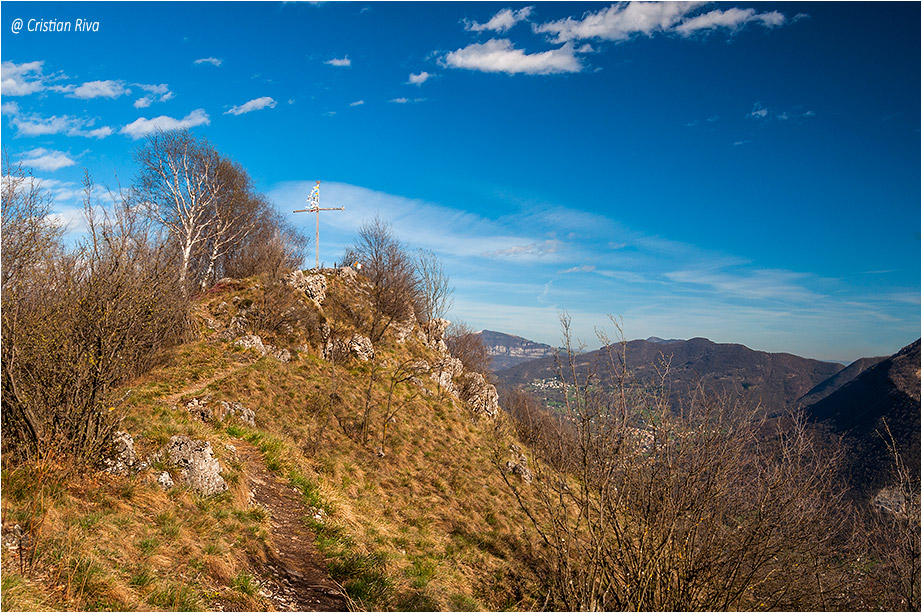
pixel 425 523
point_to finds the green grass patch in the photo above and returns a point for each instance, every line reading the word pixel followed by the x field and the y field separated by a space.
pixel 245 584
pixel 176 597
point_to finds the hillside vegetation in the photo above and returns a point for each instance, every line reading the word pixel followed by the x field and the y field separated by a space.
pixel 192 423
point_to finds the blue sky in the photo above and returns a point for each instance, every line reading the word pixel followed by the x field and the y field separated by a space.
pixel 747 172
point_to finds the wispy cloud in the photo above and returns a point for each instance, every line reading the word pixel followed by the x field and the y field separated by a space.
pixel 407 100
pixel 501 21
pixel 46 159
pixel 730 19
pixel 538 248
pixel 142 126
pixel 357 103
pixel 343 61
pixel 256 104
pixel 214 61
pixel 761 112
pixel 575 269
pixel 623 20
pixel 500 55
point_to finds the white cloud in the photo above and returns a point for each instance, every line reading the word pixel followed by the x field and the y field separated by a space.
pixel 622 20
pixel 731 19
pixel 143 103
pixel 100 89
pixel 9 108
pixel 36 125
pixel 209 60
pixel 357 103
pixel 499 55
pixel 407 100
pixel 418 78
pixel 501 21
pixel 339 62
pixel 21 79
pixel 45 159
pixel 253 105
pixel 142 126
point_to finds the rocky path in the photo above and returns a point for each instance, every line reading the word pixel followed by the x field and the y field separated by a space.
pixel 295 579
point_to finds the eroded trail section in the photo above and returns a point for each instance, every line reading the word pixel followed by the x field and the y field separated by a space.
pixel 295 575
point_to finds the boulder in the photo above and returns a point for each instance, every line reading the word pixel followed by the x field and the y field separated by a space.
pixel 165 481
pixel 519 466
pixel 314 286
pixel 199 469
pixel 404 326
pixel 480 395
pixel 200 408
pixel 124 456
pixel 204 409
pixel 347 273
pixel 251 341
pixel 361 347
pixel 235 409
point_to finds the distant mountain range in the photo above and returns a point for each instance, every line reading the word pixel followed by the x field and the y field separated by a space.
pixel 775 380
pixel 888 391
pixel 507 350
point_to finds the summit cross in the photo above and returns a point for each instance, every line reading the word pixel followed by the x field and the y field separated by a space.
pixel 313 202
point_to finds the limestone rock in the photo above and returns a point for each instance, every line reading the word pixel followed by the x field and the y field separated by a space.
pixel 200 408
pixel 480 395
pixel 347 273
pixel 165 481
pixel 361 347
pixel 404 326
pixel 444 372
pixel 124 456
pixel 282 355
pixel 314 286
pixel 251 341
pixel 235 409
pixel 203 408
pixel 198 467
pixel 520 468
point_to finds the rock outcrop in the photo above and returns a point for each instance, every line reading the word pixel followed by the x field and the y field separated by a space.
pixel 480 395
pixel 198 468
pixel 313 286
pixel 519 465
pixel 203 408
pixel 124 456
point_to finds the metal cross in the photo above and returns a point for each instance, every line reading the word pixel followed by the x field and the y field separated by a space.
pixel 314 201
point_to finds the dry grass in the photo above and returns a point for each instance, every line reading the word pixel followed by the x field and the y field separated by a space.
pixel 429 526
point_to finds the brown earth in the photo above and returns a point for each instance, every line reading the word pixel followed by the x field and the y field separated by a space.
pixel 293 576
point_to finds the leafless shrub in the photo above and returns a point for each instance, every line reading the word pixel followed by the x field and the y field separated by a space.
pixel 278 310
pixel 466 345
pixel 77 324
pixel 390 271
pixel 641 508
pixel 434 297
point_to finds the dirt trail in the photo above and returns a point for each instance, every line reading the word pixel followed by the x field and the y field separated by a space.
pixel 199 386
pixel 294 575
pixel 296 580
